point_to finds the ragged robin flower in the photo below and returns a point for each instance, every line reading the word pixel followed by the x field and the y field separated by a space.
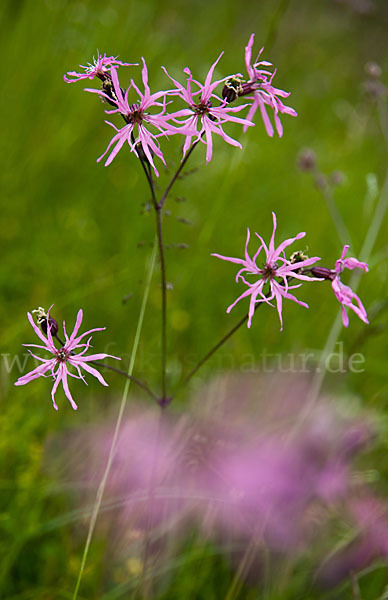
pixel 64 357
pixel 137 117
pixel 264 93
pixel 344 293
pixel 275 270
pixel 100 67
pixel 204 117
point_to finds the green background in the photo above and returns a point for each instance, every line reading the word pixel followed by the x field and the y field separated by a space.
pixel 76 234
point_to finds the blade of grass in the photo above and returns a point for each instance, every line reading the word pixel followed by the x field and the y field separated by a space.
pixel 101 488
pixel 335 330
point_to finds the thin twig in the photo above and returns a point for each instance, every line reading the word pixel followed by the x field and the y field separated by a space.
pixel 116 370
pixel 215 348
pixel 138 382
pixel 158 212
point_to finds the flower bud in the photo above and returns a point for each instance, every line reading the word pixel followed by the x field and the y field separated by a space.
pixel 323 273
pixel 298 256
pixel 375 89
pixel 306 160
pixel 337 178
pixel 108 89
pixel 41 319
pixel 232 89
pixel 373 70
pixel 321 181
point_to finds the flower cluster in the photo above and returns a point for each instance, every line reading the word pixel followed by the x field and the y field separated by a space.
pixel 276 272
pixel 64 357
pixel 206 112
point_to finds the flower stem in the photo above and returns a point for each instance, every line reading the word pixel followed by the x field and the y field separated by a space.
pixel 215 348
pixel 158 206
pixel 116 370
pixel 175 177
pixel 138 382
pixel 158 211
pixel 147 171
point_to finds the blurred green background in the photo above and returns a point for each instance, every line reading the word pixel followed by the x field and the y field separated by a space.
pixel 76 234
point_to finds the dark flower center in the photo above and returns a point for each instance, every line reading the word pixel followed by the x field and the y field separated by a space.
pixel 202 108
pixel 136 115
pixel 269 271
pixel 62 355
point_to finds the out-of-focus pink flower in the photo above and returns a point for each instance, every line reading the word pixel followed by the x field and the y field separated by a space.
pixel 58 366
pixel 256 480
pixel 369 515
pixel 204 119
pixel 144 460
pixel 136 115
pixel 264 93
pixel 344 293
pixel 99 67
pixel 275 271
pixel 232 468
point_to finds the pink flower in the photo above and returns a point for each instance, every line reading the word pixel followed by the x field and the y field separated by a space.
pixel 204 119
pixel 276 267
pixel 344 293
pixel 264 94
pixel 99 68
pixel 63 357
pixel 136 114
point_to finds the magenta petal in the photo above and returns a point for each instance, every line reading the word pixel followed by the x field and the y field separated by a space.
pixel 279 306
pixel 38 331
pixel 66 387
pixel 345 317
pixel 93 372
pixel 248 56
pixel 37 372
pixel 238 261
pixel 55 386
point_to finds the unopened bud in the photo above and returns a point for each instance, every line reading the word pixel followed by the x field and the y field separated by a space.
pixel 373 70
pixel 232 88
pixel 337 178
pixel 321 181
pixel 41 319
pixel 140 152
pixel 296 257
pixel 375 89
pixel 108 89
pixel 323 273
pixel 306 160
